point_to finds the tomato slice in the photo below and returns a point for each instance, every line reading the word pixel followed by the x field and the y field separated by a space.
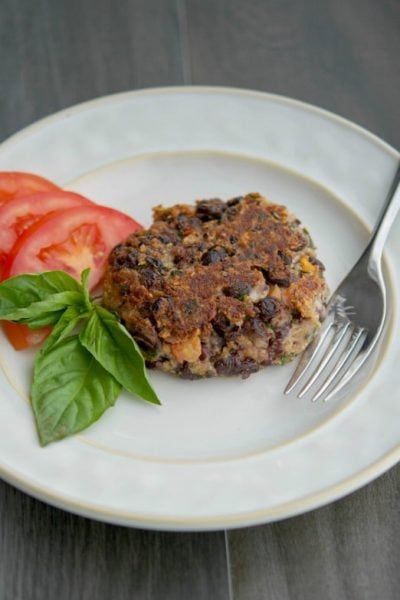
pixel 21 213
pixel 15 184
pixel 70 240
pixel 21 337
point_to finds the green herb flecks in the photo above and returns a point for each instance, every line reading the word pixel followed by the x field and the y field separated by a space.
pixel 286 357
pixel 87 359
pixel 310 240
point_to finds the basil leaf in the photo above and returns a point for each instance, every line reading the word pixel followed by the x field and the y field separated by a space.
pixel 23 290
pixel 111 344
pixel 44 312
pixel 70 390
pixel 85 287
pixel 65 325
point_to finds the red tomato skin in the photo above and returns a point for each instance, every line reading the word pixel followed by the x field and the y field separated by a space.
pixel 19 214
pixel 15 184
pixel 40 247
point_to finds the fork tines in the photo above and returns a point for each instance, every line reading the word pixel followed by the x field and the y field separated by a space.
pixel 329 359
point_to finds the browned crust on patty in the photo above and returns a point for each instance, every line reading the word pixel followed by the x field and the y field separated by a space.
pixel 218 287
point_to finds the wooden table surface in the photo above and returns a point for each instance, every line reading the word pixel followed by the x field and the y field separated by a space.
pixel 342 55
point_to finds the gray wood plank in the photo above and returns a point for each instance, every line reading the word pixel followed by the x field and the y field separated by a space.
pixel 52 55
pixel 341 55
pixel 56 54
pixel 348 550
pixel 48 554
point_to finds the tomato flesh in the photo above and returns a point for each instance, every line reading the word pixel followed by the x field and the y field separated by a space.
pixel 70 240
pixel 84 248
pixel 15 184
pixel 19 214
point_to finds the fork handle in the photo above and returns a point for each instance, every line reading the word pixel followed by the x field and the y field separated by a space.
pixel 373 251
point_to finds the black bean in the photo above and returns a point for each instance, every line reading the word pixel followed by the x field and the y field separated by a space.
pixel 157 304
pixel 213 345
pixel 150 278
pixel 120 258
pixel 253 325
pixel 185 372
pixel 147 339
pixel 238 290
pixel 268 308
pixel 234 201
pixel 165 301
pixel 283 331
pixel 277 278
pixel 117 261
pixel 284 257
pixel 213 255
pixel 164 239
pixel 249 366
pixel 229 365
pixel 316 262
pixel 234 365
pixel 154 262
pixel 222 324
pixel 132 258
pixel 210 209
pixel 231 212
pixel 185 224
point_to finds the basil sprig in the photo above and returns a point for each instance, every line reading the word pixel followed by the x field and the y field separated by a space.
pixel 87 359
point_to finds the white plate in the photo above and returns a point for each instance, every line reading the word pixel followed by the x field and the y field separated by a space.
pixel 225 452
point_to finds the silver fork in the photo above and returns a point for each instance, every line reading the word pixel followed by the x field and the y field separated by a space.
pixel 355 319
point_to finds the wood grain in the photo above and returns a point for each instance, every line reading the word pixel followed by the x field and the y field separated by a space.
pixel 56 54
pixel 340 54
pixel 348 550
pixel 46 553
pixel 52 55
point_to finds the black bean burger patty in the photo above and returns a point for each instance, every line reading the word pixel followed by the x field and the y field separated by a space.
pixel 218 288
